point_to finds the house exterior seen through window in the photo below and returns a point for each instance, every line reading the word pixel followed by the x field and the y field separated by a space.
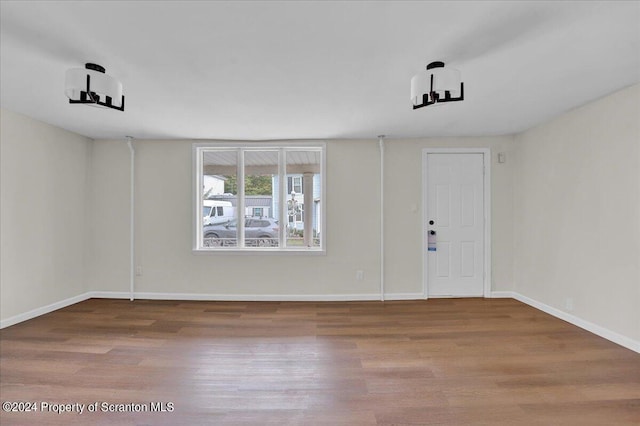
pixel 259 197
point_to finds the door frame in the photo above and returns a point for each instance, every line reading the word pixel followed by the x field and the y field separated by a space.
pixel 486 190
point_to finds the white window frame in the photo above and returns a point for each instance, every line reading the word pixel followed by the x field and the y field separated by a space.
pixel 294 179
pixel 282 147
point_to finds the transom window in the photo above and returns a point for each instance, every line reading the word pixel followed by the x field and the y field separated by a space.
pixel 267 197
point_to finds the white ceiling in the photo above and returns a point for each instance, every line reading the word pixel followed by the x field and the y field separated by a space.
pixel 314 70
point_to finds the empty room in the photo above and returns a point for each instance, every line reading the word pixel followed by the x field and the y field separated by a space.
pixel 320 212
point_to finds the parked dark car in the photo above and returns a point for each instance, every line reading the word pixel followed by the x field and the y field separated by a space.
pixel 258 232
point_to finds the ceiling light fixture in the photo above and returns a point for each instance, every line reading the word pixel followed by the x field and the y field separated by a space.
pixel 90 85
pixel 436 85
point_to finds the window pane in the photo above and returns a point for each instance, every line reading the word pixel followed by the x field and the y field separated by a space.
pixel 260 189
pixel 219 193
pixel 304 202
pixel 297 184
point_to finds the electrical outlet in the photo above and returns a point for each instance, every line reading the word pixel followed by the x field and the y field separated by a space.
pixel 359 275
pixel 138 270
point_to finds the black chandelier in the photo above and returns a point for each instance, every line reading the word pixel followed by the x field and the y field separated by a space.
pixel 436 85
pixel 90 85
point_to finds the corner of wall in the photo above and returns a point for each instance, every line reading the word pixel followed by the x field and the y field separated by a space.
pixel 577 213
pixel 49 164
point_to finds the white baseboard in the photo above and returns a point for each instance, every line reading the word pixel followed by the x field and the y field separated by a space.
pixel 257 297
pixel 621 340
pixel 402 296
pixel 456 296
pixel 43 310
pixel 502 295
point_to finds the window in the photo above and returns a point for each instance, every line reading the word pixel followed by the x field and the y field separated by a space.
pixel 294 184
pixel 261 207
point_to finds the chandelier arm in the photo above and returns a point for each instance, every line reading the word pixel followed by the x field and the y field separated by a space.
pixel 448 98
pixel 425 102
pixel 89 93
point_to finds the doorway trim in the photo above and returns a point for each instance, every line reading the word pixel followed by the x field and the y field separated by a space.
pixel 486 190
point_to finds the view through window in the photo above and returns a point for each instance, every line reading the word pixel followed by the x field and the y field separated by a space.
pixel 259 198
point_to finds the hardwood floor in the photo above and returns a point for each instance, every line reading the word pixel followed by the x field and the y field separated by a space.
pixel 441 361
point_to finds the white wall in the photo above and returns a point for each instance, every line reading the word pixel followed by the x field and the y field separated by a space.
pixel 403 212
pixel 164 217
pixel 42 227
pixel 577 213
pixel 108 227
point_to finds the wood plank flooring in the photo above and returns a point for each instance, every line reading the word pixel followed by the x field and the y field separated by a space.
pixel 441 361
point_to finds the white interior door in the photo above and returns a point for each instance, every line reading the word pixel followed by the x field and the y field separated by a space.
pixel 455 221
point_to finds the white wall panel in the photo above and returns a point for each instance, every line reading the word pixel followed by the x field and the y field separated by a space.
pixel 577 213
pixel 44 185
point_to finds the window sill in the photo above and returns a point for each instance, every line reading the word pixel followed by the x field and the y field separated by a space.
pixel 261 252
